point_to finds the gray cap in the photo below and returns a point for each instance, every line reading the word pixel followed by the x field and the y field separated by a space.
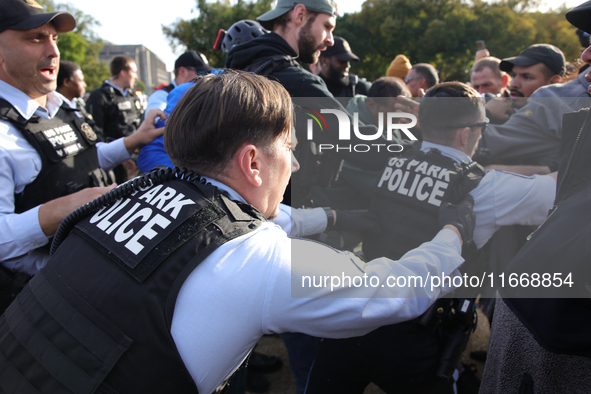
pixel 548 54
pixel 323 6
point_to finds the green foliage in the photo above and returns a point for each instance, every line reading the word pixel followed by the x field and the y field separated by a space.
pixel 440 32
pixel 200 33
pixel 443 33
pixel 95 72
pixel 72 47
pixel 81 46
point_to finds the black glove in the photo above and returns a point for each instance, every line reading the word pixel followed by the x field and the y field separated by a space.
pixel 461 216
pixel 356 220
pixel 470 176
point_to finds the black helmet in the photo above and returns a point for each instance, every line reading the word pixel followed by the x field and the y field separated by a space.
pixel 240 32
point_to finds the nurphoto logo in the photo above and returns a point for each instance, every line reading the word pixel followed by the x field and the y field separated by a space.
pixel 380 138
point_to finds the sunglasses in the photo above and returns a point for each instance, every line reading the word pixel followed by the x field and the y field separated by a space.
pixel 482 124
pixel 407 80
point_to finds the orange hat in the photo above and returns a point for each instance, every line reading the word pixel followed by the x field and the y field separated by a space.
pixel 399 67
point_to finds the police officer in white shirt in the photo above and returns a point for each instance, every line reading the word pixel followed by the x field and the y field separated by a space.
pixel 167 282
pixel 37 192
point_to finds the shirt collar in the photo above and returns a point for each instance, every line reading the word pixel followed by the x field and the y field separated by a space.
pixel 123 91
pixel 225 188
pixel 446 151
pixel 28 107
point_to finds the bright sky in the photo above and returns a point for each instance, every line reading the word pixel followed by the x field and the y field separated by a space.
pixel 129 22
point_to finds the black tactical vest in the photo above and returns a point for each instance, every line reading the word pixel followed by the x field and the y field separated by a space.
pixel 66 145
pixel 408 195
pixel 97 318
pixel 123 114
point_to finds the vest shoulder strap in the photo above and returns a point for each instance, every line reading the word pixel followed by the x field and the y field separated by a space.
pixel 268 66
pixel 8 112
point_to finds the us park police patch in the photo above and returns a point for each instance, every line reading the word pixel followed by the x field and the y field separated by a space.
pixel 139 232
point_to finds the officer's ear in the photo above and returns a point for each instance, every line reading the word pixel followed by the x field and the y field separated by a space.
pixel 249 164
pixel 463 135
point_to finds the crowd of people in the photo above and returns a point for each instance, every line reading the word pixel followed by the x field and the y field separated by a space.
pixel 148 252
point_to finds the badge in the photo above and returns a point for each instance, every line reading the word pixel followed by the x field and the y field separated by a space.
pixel 88 131
pixel 124 106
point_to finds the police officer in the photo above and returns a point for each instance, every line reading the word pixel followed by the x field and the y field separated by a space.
pixel 116 110
pixel 405 357
pixel 114 106
pixel 50 161
pixel 178 266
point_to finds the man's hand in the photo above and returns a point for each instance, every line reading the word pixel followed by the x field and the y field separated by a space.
pixel 480 54
pixel 499 110
pixel 53 212
pixel 460 216
pixel 146 133
pixel 409 106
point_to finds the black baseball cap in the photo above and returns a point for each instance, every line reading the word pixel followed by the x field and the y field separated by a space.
pixel 340 49
pixel 548 54
pixel 580 16
pixel 193 59
pixel 28 14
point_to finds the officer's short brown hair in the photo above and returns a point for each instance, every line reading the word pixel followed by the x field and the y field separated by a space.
pixel 120 63
pixel 220 114
pixel 445 105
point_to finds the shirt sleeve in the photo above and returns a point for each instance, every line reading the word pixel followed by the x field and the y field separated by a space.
pixel 111 154
pixel 301 222
pixel 21 233
pixel 504 199
pixel 157 100
pixel 328 293
pixel 532 134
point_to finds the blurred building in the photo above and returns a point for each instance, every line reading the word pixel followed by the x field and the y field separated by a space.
pixel 151 70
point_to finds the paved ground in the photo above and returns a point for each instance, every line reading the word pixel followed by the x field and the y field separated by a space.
pixel 282 381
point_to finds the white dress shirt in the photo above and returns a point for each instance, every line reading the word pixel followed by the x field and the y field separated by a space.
pixel 253 285
pixel 503 198
pixel 21 234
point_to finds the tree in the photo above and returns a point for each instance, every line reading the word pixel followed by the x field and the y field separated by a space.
pixel 443 33
pixel 82 45
pixel 200 33
pixel 440 32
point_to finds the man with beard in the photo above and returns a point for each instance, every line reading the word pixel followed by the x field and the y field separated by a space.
pixel 299 32
pixel 334 70
pixel 532 135
pixel 538 65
